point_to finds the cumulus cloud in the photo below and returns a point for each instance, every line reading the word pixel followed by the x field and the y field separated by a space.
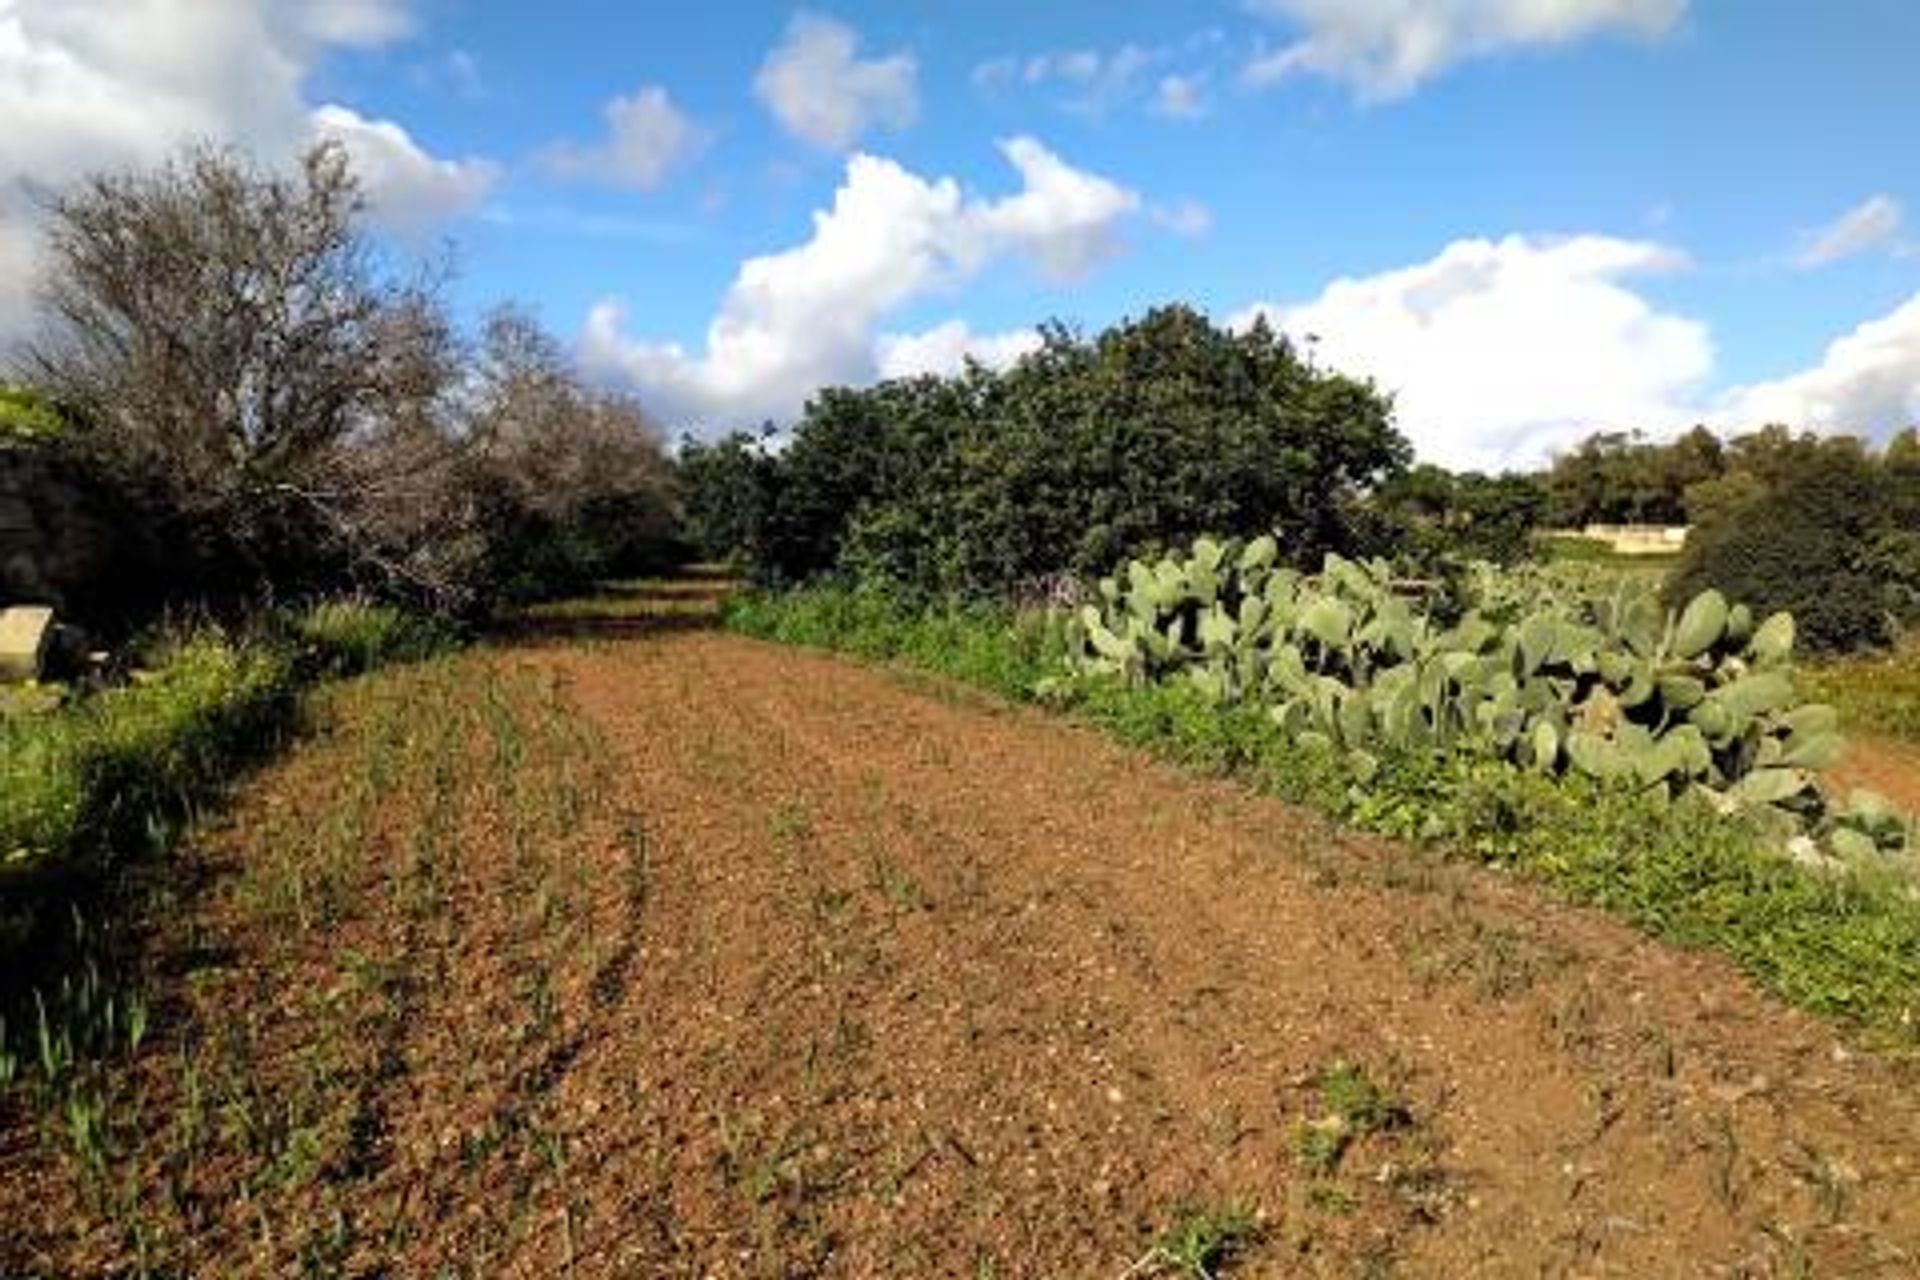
pixel 409 191
pixel 1867 382
pixel 646 137
pixel 1874 223
pixel 356 23
pixel 92 84
pixel 946 348
pixel 1499 351
pixel 1386 48
pixel 821 91
pixel 806 317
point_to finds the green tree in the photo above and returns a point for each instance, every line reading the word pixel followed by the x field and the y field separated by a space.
pixel 1085 451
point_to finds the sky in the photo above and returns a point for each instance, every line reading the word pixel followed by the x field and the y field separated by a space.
pixel 1526 219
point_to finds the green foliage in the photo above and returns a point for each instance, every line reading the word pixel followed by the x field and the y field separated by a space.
pixel 974 485
pixel 970 643
pixel 1826 531
pixel 352 635
pixel 113 772
pixel 1548 671
pixel 1352 1106
pixel 1431 517
pixel 728 492
pixel 1875 692
pixel 1202 1241
pixel 1622 478
pixel 1844 945
pixel 26 414
pixel 85 779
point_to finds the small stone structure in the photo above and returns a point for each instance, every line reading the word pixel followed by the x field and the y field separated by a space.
pixel 1638 539
pixel 26 633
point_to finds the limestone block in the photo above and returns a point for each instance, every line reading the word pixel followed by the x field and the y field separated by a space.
pixel 25 632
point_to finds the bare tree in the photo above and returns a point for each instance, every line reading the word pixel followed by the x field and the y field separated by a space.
pixel 576 478
pixel 233 352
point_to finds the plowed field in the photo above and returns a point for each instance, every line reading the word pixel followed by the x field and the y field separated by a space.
pixel 674 953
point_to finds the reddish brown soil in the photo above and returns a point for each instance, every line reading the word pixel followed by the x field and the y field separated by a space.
pixel 903 982
pixel 1886 765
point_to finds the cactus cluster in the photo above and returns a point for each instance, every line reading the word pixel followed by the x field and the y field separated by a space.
pixel 1604 682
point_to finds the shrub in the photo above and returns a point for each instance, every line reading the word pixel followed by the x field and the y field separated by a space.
pixel 1802 545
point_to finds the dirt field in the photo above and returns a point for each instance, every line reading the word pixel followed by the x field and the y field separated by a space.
pixel 1886 765
pixel 674 953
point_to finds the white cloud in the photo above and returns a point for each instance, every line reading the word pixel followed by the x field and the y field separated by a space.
pixel 946 348
pixel 806 317
pixel 1385 48
pixel 819 89
pixel 408 191
pixel 93 84
pixel 1179 97
pixel 1497 352
pixel 355 23
pixel 1183 217
pixel 1872 224
pixel 1097 81
pixel 646 137
pixel 1867 382
pixel 1092 82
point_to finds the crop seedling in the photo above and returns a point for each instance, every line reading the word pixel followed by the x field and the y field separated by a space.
pixel 1200 1243
pixel 1352 1106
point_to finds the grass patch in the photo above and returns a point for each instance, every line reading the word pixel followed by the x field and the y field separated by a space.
pixel 1846 946
pixel 1564 549
pixel 1874 692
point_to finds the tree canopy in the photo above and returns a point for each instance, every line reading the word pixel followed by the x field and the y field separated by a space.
pixel 1086 450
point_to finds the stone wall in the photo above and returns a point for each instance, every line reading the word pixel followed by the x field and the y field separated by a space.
pixel 61 541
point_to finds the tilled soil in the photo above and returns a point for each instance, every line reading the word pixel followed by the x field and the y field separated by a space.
pixel 867 976
pixel 934 987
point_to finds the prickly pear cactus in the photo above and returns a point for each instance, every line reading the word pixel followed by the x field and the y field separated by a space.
pixel 1583 675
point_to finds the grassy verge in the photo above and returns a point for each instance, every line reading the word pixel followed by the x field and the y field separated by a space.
pixel 1843 946
pixel 115 773
pixel 1875 692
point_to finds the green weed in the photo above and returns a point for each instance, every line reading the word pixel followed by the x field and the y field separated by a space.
pixel 1201 1242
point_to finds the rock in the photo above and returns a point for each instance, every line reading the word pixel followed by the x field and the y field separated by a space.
pixel 25 631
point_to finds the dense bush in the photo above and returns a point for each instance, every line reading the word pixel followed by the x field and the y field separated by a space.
pixel 1845 945
pixel 1830 532
pixel 572 483
pixel 235 359
pixel 1622 478
pixel 1154 431
pixel 1433 520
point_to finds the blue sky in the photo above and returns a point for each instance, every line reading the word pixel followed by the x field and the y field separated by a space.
pixel 1527 218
